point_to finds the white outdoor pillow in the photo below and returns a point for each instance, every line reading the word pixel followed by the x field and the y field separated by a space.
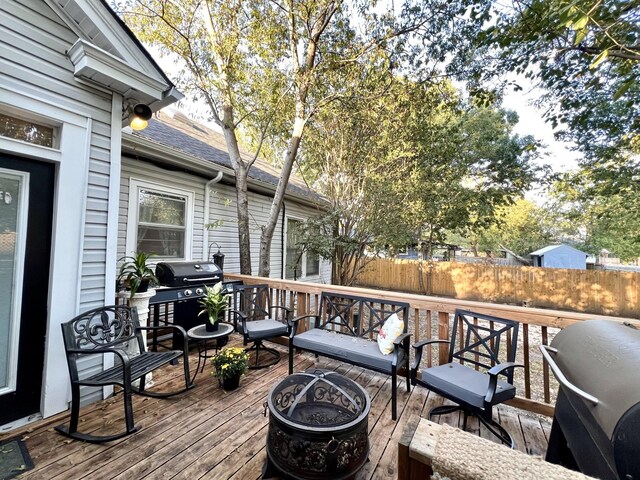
pixel 391 330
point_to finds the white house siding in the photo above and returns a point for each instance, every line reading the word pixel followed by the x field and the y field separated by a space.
pixel 33 42
pixel 222 208
pixel 148 172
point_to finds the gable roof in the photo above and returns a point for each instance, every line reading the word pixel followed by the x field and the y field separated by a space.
pixel 193 144
pixel 108 54
pixel 550 248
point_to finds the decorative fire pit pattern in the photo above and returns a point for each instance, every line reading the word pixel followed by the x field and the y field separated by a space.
pixel 318 426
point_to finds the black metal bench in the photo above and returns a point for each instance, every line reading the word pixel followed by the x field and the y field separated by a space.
pixel 345 329
pixel 110 330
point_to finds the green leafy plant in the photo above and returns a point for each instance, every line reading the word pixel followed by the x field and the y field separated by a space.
pixel 230 362
pixel 136 273
pixel 214 302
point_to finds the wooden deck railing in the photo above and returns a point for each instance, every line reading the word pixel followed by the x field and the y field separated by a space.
pixel 430 318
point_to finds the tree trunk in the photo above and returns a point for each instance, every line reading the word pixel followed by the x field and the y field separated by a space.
pixel 242 198
pixel 267 231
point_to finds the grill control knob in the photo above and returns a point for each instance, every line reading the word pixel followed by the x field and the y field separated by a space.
pixel 199 291
pixel 188 293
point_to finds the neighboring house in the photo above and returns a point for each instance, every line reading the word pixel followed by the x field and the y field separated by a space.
pixel 70 71
pixel 559 256
pixel 182 170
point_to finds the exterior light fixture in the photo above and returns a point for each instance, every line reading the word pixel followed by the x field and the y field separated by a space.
pixel 218 258
pixel 139 116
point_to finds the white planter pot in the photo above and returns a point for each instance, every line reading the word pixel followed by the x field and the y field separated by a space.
pixel 141 302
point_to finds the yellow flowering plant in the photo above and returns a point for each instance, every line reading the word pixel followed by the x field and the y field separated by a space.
pixel 230 362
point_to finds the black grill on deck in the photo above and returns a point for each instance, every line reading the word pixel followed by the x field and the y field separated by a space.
pixel 596 426
pixel 186 274
pixel 182 284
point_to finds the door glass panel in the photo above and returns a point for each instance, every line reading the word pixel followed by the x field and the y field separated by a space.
pixel 12 236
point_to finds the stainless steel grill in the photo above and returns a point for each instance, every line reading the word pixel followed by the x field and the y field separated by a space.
pixel 596 426
pixel 185 274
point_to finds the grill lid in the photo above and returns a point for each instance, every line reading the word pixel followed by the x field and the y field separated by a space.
pixel 174 274
pixel 602 358
pixel 320 399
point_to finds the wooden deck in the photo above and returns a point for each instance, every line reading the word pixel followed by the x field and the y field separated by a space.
pixel 212 434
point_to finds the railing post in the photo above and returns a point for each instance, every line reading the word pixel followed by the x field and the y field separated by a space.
pixel 443 334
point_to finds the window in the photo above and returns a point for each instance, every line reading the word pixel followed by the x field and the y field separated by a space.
pixel 26 131
pixel 161 221
pixel 298 263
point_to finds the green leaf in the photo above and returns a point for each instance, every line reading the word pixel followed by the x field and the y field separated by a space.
pixel 622 89
pixel 581 22
pixel 580 34
pixel 599 59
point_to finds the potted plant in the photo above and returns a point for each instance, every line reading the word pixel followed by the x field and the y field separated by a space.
pixel 214 303
pixel 135 272
pixel 230 364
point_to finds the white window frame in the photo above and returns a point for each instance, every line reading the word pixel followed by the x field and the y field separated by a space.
pixel 303 260
pixel 135 185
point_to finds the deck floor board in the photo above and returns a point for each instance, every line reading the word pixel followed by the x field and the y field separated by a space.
pixel 207 433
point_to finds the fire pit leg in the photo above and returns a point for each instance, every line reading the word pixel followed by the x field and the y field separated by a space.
pixel 269 470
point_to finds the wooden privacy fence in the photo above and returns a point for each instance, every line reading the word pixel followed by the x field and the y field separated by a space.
pixel 591 291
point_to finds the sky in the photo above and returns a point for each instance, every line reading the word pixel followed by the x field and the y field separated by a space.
pixel 560 158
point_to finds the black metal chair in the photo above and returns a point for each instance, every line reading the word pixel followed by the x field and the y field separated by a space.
pixel 114 330
pixel 254 318
pixel 470 378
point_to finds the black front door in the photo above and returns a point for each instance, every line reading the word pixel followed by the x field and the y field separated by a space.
pixel 26 213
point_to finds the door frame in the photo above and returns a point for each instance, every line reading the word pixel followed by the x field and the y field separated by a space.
pixel 71 160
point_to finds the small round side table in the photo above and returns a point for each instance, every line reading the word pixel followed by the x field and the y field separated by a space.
pixel 202 337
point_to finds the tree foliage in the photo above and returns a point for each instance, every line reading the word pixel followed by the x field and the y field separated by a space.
pixel 586 55
pixel 265 68
pixel 605 217
pixel 476 165
pixel 354 156
pixel 521 227
pixel 409 163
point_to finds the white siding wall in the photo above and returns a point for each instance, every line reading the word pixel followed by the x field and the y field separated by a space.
pixel 222 207
pixel 33 42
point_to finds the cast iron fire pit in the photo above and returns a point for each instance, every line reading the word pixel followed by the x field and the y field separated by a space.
pixel 318 426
